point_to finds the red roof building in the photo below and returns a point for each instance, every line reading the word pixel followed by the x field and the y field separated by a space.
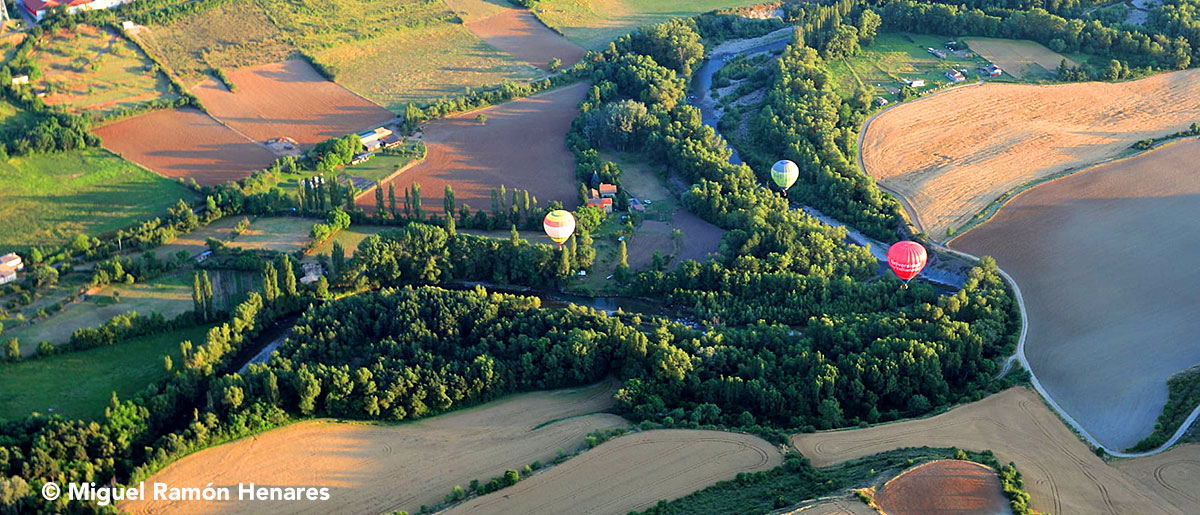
pixel 603 203
pixel 39 8
pixel 608 190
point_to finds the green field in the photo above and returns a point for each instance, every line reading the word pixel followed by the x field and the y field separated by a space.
pixel 895 57
pixel 46 199
pixel 281 233
pixel 421 65
pixel 379 167
pixel 348 237
pixel 80 384
pixel 93 69
pixel 593 23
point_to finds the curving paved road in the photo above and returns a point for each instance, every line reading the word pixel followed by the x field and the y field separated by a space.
pixel 1020 355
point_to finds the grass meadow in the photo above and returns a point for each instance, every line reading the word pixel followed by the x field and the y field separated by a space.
pixel 593 23
pixel 80 384
pixel 93 69
pixel 895 57
pixel 46 199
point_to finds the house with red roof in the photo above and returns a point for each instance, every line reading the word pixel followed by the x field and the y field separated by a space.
pixel 39 8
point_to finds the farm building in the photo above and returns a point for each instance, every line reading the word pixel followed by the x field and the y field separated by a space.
pixel 20 79
pixel 937 53
pixel 361 158
pixel 603 203
pixel 607 190
pixel 312 272
pixel 955 76
pixel 880 101
pixel 991 71
pixel 10 264
pixel 915 83
pixel 38 8
pixel 373 139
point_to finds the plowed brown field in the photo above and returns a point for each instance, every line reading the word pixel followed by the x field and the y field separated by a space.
pixel 953 153
pixel 946 487
pixel 288 99
pixel 518 33
pixel 1061 474
pixel 185 143
pixel 521 146
pixel 382 468
pixel 632 472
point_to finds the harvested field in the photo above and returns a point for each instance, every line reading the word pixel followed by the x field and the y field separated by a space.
pixel 1171 474
pixel 1020 58
pixel 375 468
pixel 1106 266
pixel 1061 474
pixel 288 99
pixel 421 65
pixel 839 506
pixel 522 146
pixel 953 153
pixel 946 487
pixel 90 68
pixel 185 144
pixel 632 472
pixel 518 33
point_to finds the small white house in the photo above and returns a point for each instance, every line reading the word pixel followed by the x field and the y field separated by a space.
pixel 955 76
pixel 10 264
pixel 20 79
pixel 916 83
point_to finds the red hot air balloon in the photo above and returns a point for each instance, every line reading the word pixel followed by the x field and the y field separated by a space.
pixel 907 259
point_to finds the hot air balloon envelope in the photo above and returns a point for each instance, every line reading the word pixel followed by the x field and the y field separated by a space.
pixel 907 259
pixel 559 225
pixel 785 173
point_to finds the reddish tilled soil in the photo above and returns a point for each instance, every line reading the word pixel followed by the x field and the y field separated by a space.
pixel 185 143
pixel 520 146
pixel 289 99
pixel 518 33
pixel 946 486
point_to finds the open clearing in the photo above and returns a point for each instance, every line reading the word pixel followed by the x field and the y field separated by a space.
pixel 632 472
pixel 375 468
pixel 1018 57
pixel 1105 261
pixel 185 144
pixel 80 384
pixel 518 33
pixel 944 486
pixel 421 65
pixel 953 153
pixel 1171 474
pixel 593 23
pixel 288 99
pixel 169 295
pixel 47 199
pixel 700 238
pixel 228 35
pixel 93 69
pixel 280 233
pixel 1061 474
pixel 350 237
pixel 521 145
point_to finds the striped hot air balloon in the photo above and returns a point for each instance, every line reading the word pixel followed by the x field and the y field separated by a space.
pixel 785 173
pixel 907 259
pixel 559 226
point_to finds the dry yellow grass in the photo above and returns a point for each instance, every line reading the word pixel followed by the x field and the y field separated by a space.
pixel 632 472
pixel 953 153
pixel 382 468
pixel 1018 57
pixel 1172 474
pixel 1061 474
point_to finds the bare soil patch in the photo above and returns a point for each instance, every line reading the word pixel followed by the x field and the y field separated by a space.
pixel 632 472
pixel 185 143
pixel 839 506
pixel 944 486
pixel 288 99
pixel 953 153
pixel 1061 474
pixel 1106 263
pixel 521 145
pixel 372 468
pixel 1171 474
pixel 520 34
